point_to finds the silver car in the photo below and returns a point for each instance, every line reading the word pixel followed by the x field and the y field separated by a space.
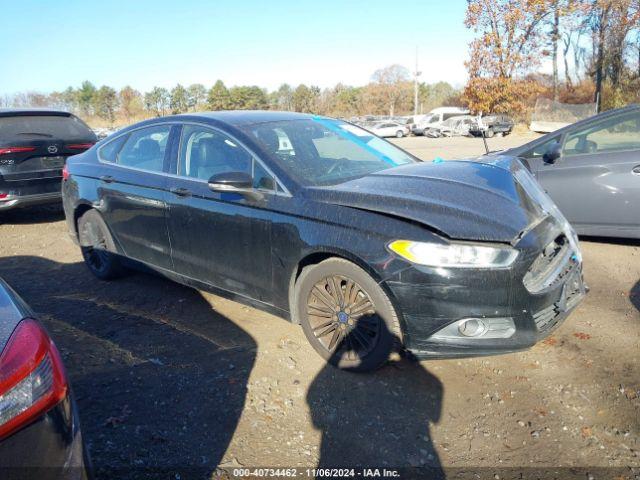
pixel 389 129
pixel 591 169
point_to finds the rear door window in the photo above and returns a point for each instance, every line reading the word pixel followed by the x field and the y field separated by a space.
pixel 145 148
pixel 28 127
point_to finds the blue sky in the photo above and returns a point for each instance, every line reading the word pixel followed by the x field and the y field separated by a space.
pixel 48 45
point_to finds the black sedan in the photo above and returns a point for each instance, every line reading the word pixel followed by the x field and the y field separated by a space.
pixel 591 169
pixel 323 223
pixel 34 144
pixel 39 429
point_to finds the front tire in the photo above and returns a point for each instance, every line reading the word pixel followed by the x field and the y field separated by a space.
pixel 399 134
pixel 345 315
pixel 490 133
pixel 97 247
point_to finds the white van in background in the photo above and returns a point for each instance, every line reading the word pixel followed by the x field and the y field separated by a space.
pixel 434 118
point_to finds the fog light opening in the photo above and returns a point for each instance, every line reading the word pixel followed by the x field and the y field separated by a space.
pixel 474 327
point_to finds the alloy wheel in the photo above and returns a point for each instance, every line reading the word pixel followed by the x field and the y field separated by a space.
pixel 343 317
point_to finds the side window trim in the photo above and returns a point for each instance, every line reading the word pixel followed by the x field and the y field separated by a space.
pixel 280 189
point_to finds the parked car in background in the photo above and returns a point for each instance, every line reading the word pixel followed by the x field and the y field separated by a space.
pixel 419 123
pixel 102 133
pixel 453 127
pixel 348 235
pixel 390 129
pixel 40 433
pixel 497 124
pixel 34 145
pixel 591 169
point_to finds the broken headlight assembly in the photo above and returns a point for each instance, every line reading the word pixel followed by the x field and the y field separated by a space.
pixel 454 255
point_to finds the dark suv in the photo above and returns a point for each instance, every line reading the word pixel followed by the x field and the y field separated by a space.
pixel 34 145
pixel 497 124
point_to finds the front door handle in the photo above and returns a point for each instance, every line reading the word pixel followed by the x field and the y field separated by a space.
pixel 636 170
pixel 107 179
pixel 180 192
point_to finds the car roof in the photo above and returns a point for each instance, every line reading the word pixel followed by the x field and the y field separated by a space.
pixel 248 117
pixel 15 112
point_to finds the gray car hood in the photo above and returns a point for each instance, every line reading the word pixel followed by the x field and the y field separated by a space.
pixel 463 200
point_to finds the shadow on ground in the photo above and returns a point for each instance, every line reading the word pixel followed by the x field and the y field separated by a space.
pixel 632 242
pixel 32 215
pixel 159 376
pixel 363 418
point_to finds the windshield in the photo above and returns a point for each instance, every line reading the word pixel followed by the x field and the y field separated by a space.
pixel 322 151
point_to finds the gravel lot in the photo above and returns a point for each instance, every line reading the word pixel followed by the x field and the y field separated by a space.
pixel 172 382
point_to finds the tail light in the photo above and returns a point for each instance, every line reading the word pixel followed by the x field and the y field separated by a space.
pixel 3 196
pixel 9 150
pixel 65 172
pixel 32 378
pixel 79 146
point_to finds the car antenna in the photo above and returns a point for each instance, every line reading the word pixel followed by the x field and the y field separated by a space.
pixel 482 130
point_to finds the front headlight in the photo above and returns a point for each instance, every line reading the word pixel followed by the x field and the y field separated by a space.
pixel 454 255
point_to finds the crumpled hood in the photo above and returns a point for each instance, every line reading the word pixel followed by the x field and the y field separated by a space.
pixel 464 200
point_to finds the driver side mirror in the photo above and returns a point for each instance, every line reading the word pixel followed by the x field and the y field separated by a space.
pixel 234 182
pixel 553 153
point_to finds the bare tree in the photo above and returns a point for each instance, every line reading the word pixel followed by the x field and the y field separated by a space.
pixel 392 82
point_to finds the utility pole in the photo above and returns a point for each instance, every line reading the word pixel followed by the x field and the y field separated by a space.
pixel 416 74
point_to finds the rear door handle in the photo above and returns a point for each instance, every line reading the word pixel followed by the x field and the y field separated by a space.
pixel 636 170
pixel 180 192
pixel 107 179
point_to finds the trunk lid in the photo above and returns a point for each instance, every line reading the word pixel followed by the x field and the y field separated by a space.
pixel 36 145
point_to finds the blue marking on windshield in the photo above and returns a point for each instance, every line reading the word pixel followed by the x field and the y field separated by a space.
pixel 331 125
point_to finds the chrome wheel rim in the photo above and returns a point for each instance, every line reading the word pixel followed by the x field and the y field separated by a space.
pixel 342 317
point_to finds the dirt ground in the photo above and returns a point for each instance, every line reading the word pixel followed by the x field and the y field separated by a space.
pixel 172 382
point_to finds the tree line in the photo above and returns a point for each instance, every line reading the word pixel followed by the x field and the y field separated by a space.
pixel 595 42
pixel 390 92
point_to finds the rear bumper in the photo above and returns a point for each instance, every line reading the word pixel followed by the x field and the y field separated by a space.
pixel 26 192
pixel 12 201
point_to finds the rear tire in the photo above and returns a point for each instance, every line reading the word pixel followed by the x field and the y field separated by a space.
pixel 98 247
pixel 399 134
pixel 345 315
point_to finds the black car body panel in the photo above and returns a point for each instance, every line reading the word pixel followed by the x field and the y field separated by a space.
pixel 50 446
pixel 32 174
pixel 252 249
pixel 596 180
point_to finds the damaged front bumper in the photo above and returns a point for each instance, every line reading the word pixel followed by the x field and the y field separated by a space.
pixel 449 312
